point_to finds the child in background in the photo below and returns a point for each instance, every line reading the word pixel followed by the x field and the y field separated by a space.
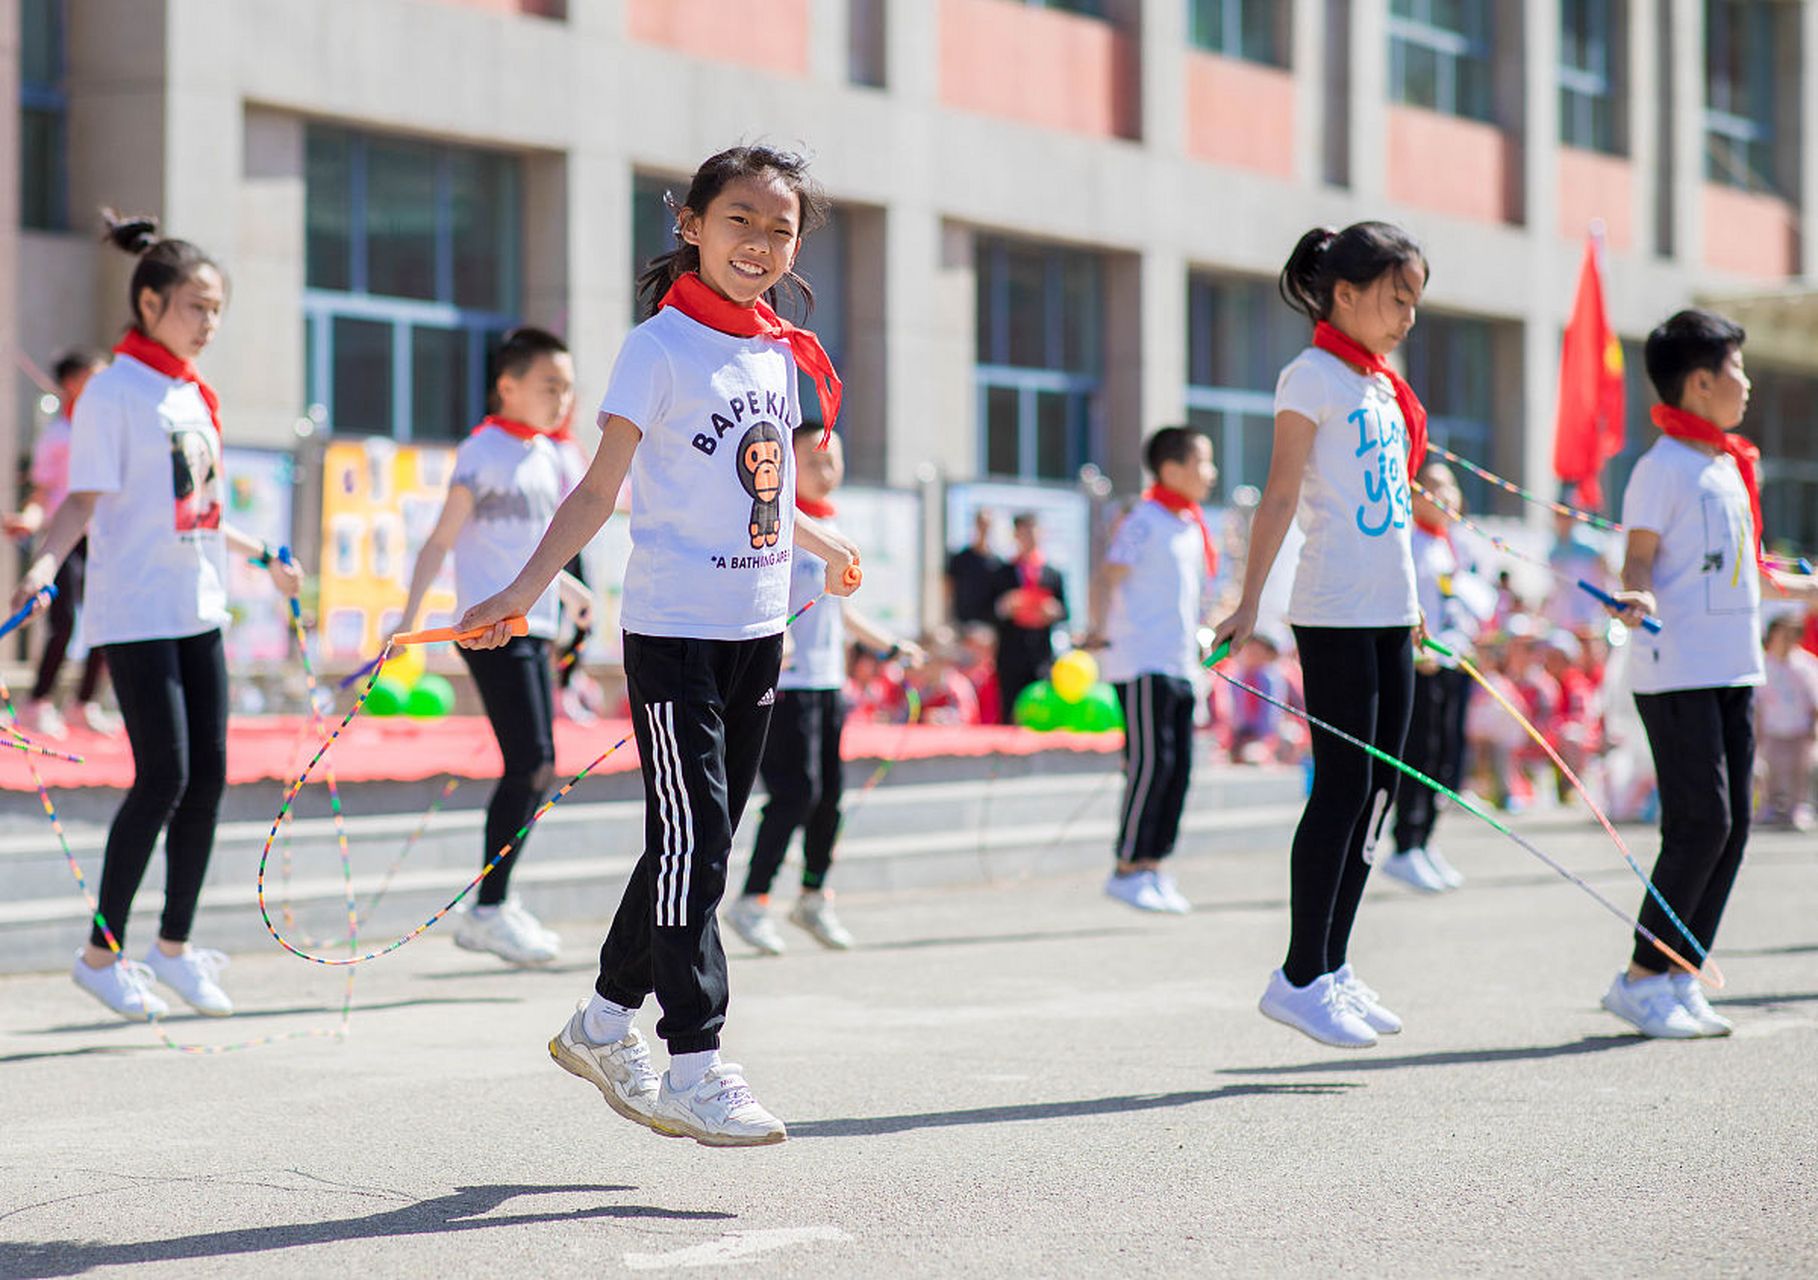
pixel 1693 513
pixel 874 688
pixel 977 662
pixel 1788 726
pixel 802 767
pixel 702 402
pixel 508 479
pixel 1155 575
pixel 1031 601
pixel 1255 724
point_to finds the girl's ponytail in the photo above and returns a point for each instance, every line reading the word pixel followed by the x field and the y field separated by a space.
pixel 164 264
pixel 1299 282
pixel 132 234
pixel 1358 255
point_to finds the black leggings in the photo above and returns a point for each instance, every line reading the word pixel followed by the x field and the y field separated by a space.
pixel 514 688
pixel 70 580
pixel 803 772
pixel 173 698
pixel 1436 746
pixel 1361 680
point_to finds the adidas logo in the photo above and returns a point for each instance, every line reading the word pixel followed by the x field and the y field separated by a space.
pixel 769 698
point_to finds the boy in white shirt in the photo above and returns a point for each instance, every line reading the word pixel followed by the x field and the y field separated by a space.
pixel 1155 574
pixel 1788 721
pixel 1693 512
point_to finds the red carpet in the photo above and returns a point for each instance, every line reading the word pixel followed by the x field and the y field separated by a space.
pixel 269 748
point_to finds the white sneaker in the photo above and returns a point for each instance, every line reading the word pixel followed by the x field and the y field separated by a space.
pixel 1652 1007
pixel 1365 1002
pixel 813 911
pixel 1410 867
pixel 621 1072
pixel 123 986
pixel 717 1112
pixel 100 720
pixel 1449 876
pixel 192 976
pixel 1691 999
pixel 749 916
pixel 1169 892
pixel 508 932
pixel 46 721
pixel 1321 1009
pixel 1137 889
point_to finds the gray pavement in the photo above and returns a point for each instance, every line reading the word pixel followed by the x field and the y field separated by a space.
pixel 1016 1078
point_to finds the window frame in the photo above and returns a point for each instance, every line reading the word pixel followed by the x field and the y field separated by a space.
pixel 1449 48
pixel 1753 131
pixel 1582 88
pixel 49 99
pixel 1233 28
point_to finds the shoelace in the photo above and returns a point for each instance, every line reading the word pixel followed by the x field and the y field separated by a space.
pixel 733 1090
pixel 135 975
pixel 209 961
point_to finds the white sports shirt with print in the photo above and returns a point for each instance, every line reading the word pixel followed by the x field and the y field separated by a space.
pixel 517 486
pixel 712 481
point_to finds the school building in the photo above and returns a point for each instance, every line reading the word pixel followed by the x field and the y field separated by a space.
pixel 1057 226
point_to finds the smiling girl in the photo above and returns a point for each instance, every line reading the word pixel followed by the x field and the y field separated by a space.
pixel 699 414
pixel 146 486
pixel 1348 434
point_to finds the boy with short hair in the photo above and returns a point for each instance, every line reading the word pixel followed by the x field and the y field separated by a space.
pixel 1693 512
pixel 1155 575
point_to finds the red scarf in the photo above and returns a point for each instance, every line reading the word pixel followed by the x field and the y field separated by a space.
pixel 510 426
pixel 1180 505
pixel 694 299
pixel 155 355
pixel 819 510
pixel 1689 426
pixel 1432 528
pixel 1327 338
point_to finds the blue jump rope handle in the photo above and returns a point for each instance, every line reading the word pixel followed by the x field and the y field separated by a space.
pixel 41 600
pixel 1805 566
pixel 296 606
pixel 1651 625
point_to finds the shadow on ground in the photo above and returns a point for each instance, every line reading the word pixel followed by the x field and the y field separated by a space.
pixel 1455 1058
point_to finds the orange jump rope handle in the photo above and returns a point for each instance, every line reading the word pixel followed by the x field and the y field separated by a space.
pixel 852 576
pixel 519 626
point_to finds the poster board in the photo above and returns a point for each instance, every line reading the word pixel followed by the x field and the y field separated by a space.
pixel 260 485
pixel 887 526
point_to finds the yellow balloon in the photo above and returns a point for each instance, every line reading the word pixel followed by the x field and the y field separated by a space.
pixel 406 664
pixel 1073 674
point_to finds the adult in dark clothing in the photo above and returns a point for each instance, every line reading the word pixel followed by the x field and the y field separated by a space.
pixel 972 573
pixel 1030 601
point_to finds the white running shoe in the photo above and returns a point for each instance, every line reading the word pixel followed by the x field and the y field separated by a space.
pixel 1321 1009
pixel 1410 867
pixel 192 975
pixel 1169 892
pixel 508 932
pixel 1652 1007
pixel 46 721
pixel 1449 876
pixel 1365 1002
pixel 717 1112
pixel 1136 889
pixel 123 986
pixel 813 911
pixel 1691 999
pixel 621 1072
pixel 100 720
pixel 749 916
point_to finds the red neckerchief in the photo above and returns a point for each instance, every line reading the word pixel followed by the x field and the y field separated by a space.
pixel 818 509
pixel 156 355
pixel 1328 338
pixel 1689 426
pixel 1180 505
pixel 693 297
pixel 1029 570
pixel 510 426
pixel 1434 529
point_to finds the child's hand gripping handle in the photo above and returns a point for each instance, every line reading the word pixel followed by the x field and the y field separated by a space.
pixel 1652 625
pixel 296 607
pixel 853 576
pixel 39 601
pixel 518 626
pixel 1219 654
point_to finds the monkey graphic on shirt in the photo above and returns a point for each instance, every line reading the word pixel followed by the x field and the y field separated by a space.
pixel 760 464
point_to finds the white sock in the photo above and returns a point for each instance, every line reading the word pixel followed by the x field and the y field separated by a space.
pixel 606 1022
pixel 686 1070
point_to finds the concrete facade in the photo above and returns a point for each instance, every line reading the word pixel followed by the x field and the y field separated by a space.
pixel 195 109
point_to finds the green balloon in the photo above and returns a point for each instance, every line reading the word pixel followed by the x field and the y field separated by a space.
pixel 1039 707
pixel 432 697
pixel 387 696
pixel 1099 711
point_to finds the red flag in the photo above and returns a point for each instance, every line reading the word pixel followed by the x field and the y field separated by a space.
pixel 1589 430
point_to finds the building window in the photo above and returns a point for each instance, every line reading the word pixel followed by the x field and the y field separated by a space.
pixel 1783 408
pixel 1239 337
pixel 43 116
pixel 1090 8
pixel 1255 30
pixel 822 262
pixel 411 273
pixel 1038 359
pixel 1587 59
pixel 1439 56
pixel 867 42
pixel 1739 105
pixel 1450 364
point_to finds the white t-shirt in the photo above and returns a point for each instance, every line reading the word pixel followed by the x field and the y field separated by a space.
pixel 1356 569
pixel 1153 619
pixel 157 560
pixel 50 465
pixel 712 481
pixel 1706 582
pixel 516 486
pixel 818 659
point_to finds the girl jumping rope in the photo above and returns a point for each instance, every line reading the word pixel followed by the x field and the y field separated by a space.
pixel 700 412
pixel 145 485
